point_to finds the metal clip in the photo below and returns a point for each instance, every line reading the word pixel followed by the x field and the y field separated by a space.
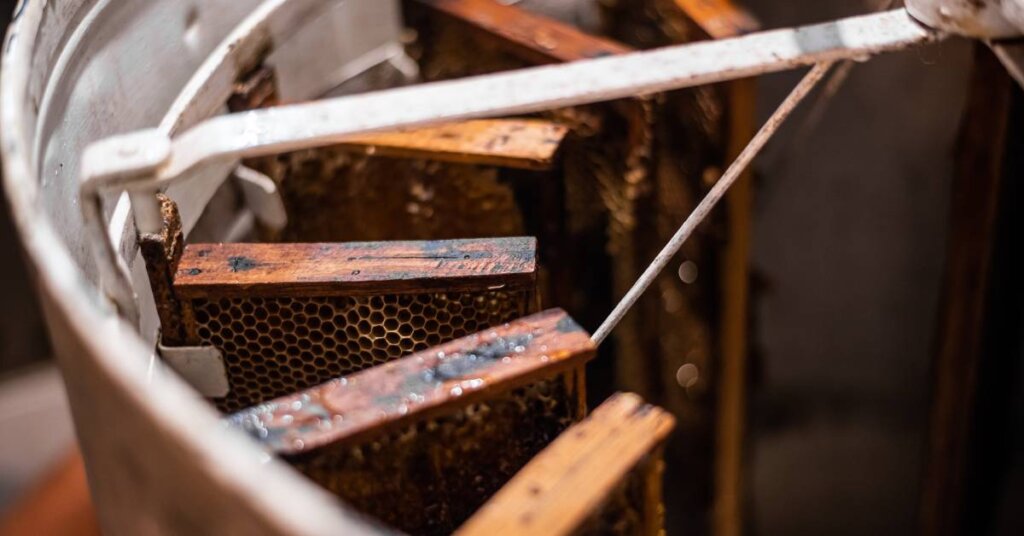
pixel 262 197
pixel 201 366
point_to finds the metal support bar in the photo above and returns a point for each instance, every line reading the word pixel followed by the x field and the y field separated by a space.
pixel 711 199
pixel 107 165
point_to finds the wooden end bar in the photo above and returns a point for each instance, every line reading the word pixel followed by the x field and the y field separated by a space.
pixel 601 476
pixel 355 268
pixel 532 38
pixel 162 253
pixel 511 143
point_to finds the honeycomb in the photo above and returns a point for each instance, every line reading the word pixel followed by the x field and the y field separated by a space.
pixel 335 195
pixel 276 346
pixel 429 477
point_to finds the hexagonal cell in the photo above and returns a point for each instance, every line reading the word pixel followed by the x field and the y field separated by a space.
pixel 275 346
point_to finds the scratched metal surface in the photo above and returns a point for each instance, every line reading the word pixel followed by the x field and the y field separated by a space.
pixel 74 70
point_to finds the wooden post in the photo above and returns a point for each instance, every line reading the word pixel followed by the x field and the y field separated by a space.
pixel 962 321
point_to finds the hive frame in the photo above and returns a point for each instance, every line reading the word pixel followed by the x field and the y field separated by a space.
pixel 367 436
pixel 289 316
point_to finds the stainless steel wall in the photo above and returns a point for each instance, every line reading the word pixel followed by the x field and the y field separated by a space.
pixel 850 231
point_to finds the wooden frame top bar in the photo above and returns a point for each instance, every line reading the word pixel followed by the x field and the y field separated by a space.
pixel 511 143
pixel 719 19
pixel 533 38
pixel 211 271
pixel 421 385
pixel 564 485
pixel 355 268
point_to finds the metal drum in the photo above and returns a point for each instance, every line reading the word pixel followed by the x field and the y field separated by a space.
pixel 75 71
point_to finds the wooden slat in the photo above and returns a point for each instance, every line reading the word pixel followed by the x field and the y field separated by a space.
pixel 354 268
pixel 532 38
pixel 566 485
pixel 734 324
pixel 512 143
pixel 719 19
pixel 420 386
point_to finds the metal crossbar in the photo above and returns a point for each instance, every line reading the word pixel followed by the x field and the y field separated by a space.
pixel 146 161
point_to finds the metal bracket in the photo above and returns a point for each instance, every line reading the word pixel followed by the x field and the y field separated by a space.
pixel 262 197
pixel 201 366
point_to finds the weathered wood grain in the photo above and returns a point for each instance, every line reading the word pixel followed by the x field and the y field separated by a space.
pixel 419 386
pixel 355 268
pixel 511 143
pixel 565 487
pixel 162 253
pixel 532 38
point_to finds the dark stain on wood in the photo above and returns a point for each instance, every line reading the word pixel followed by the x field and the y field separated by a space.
pixel 419 385
pixel 355 268
pixel 237 264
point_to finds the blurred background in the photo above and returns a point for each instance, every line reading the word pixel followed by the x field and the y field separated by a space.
pixel 849 254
